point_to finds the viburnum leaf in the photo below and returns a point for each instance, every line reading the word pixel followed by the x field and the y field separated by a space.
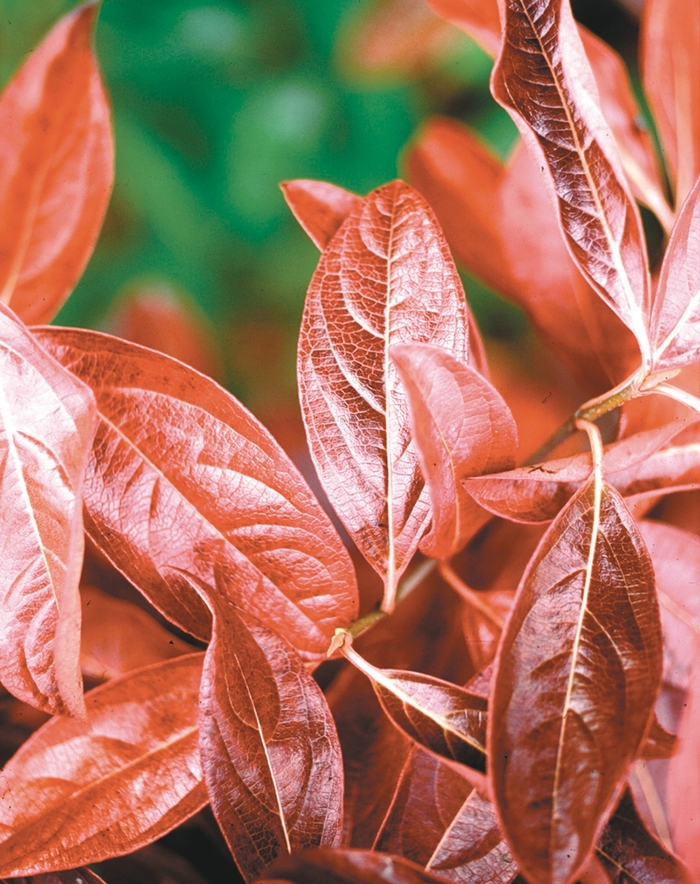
pixel 47 421
pixel 461 427
pixel 183 480
pixel 671 74
pixel 479 18
pixel 71 876
pixel 342 866
pixel 56 168
pixel 319 207
pixel 442 717
pixel 675 326
pixel 577 676
pixel 543 79
pixel 385 278
pixel 629 852
pixel 270 751
pixel 80 792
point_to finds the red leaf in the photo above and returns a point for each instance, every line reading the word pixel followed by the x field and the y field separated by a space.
pixel 577 676
pixel 461 427
pixel 478 18
pixel 80 792
pixel 319 207
pixel 118 636
pixel 47 420
pixel 565 126
pixel 184 480
pixel 72 876
pixel 629 853
pixel 675 328
pixel 386 278
pixel 56 169
pixel 671 71
pixel 328 866
pixel 270 752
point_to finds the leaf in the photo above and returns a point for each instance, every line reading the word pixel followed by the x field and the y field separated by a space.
pixel 319 207
pixel 72 876
pixel 56 168
pixel 675 326
pixel 478 18
pixel 461 427
pixel 659 742
pixel 629 853
pixel 671 75
pixel 543 79
pixel 118 636
pixel 80 792
pixel 442 717
pixel 184 481
pixel 577 676
pixel 47 420
pixel 270 752
pixel 327 866
pixel 385 278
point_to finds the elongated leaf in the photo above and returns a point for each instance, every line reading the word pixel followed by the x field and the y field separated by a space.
pixel 676 318
pixel 184 481
pixel 270 752
pixel 347 867
pixel 71 876
pixel 79 792
pixel 385 278
pixel 47 420
pixel 319 207
pixel 630 853
pixel 442 717
pixel 56 169
pixel 479 18
pixel 671 72
pixel 577 676
pixel 543 78
pixel 461 427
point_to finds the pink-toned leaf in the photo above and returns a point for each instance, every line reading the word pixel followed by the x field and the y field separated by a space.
pixel 71 876
pixel 117 636
pixel 47 420
pixel 183 480
pixel 79 792
pixel 659 742
pixel 327 866
pixel 56 168
pixel 319 207
pixel 270 751
pixel 461 427
pixel 576 681
pixel 441 717
pixel 629 852
pixel 671 74
pixel 478 18
pixel 543 79
pixel 675 330
pixel 385 278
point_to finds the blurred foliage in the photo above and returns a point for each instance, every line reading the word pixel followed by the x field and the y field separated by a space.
pixel 214 104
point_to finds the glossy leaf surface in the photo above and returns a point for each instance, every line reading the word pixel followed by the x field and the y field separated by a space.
pixel 56 169
pixel 270 751
pixel 671 73
pixel 386 278
pixel 676 316
pixel 184 481
pixel 461 427
pixel 79 792
pixel 47 419
pixel 347 867
pixel 319 207
pixel 543 78
pixel 577 677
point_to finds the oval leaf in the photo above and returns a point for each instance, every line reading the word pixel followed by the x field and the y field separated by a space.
pixel 386 278
pixel 56 169
pixel 461 427
pixel 183 480
pixel 270 751
pixel 560 118
pixel 319 207
pixel 47 420
pixel 80 792
pixel 577 676
pixel 328 866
